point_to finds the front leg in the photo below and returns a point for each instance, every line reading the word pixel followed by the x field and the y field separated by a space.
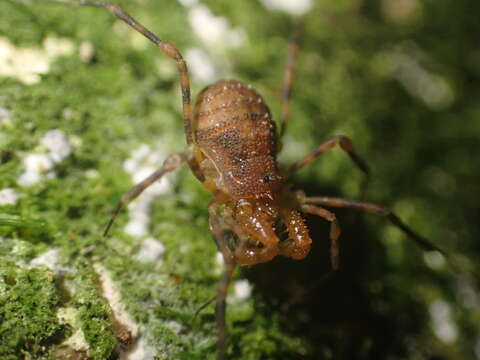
pixel 170 164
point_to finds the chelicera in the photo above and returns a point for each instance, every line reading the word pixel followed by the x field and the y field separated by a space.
pixel 232 148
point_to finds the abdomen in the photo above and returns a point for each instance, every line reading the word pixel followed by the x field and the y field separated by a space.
pixel 235 131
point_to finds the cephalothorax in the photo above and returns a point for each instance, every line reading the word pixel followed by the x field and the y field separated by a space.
pixel 232 147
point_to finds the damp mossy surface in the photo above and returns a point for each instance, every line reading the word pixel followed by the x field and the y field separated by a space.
pixel 397 86
pixel 28 312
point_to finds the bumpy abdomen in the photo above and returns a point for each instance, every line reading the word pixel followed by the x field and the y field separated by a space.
pixel 235 131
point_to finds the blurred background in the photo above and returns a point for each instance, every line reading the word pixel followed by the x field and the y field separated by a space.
pixel 399 77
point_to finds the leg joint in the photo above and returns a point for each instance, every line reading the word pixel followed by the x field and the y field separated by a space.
pixel 345 143
pixel 173 162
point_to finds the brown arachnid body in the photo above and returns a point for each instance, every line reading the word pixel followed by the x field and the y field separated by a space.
pixel 232 147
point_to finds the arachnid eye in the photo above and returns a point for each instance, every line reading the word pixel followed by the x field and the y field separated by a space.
pixel 267 178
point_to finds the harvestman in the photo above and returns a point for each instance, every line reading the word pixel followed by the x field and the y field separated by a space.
pixel 232 147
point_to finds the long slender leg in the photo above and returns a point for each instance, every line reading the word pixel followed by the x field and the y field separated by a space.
pixel 289 75
pixel 345 144
pixel 170 164
pixel 223 283
pixel 334 230
pixel 374 209
pixel 221 309
pixel 167 48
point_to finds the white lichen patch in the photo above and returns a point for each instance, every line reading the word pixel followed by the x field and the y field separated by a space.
pixel 20 251
pixel 291 149
pixel 49 259
pixel 77 340
pixel 241 290
pixel 54 147
pixel 142 163
pixel 151 249
pixel 218 264
pixel 434 259
pixel 57 145
pixel 442 323
pixel 188 3
pixel 214 31
pixel 86 51
pixel 467 295
pixel 295 7
pixel 141 350
pixel 431 88
pixel 238 299
pixel 407 64
pixel 111 293
pixel 8 196
pixel 4 116
pixel 219 258
pixel 174 326
pixel 36 166
pixel 92 174
pixel 139 212
pixel 201 65
pixel 27 63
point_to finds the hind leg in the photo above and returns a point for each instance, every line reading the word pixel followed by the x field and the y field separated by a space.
pixel 374 209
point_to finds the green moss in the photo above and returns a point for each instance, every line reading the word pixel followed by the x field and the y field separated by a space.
pixel 28 302
pixel 94 314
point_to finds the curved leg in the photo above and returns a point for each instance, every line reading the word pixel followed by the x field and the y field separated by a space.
pixel 374 209
pixel 288 76
pixel 170 164
pixel 345 144
pixel 167 48
pixel 223 283
pixel 334 230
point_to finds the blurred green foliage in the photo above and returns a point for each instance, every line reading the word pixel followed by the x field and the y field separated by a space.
pixel 400 77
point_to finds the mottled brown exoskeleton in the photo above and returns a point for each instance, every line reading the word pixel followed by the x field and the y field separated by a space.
pixel 232 148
